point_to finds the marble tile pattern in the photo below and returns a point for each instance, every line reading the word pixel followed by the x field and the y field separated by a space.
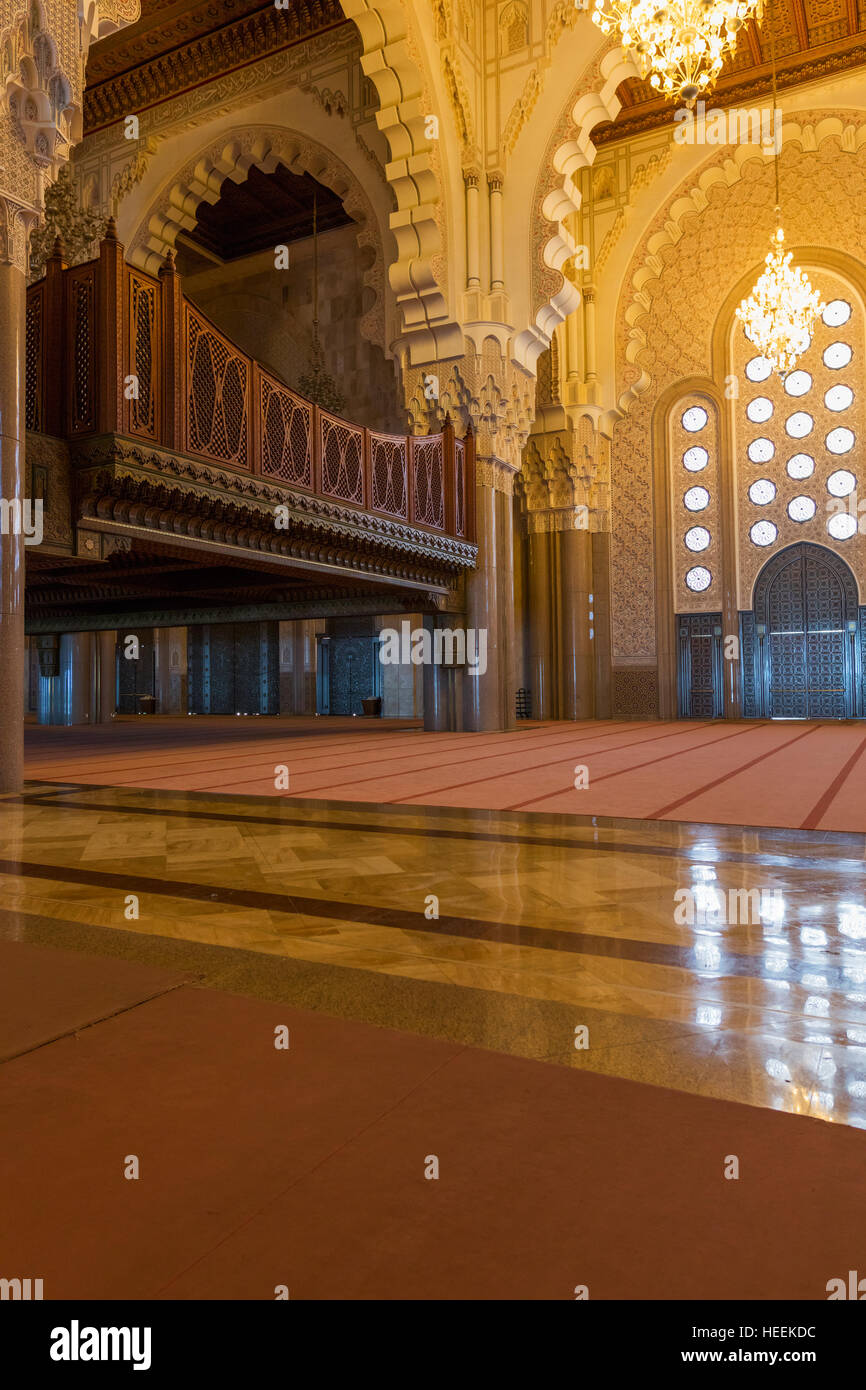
pixel 547 925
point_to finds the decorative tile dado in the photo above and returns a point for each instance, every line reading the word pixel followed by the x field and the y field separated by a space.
pixel 634 692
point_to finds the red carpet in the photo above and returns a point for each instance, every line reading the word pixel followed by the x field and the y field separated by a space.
pixel 796 775
pixel 305 1168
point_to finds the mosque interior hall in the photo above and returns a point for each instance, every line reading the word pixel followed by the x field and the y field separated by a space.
pixel 432 649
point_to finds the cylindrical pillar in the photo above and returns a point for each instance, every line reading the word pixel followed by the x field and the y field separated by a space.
pixel 540 647
pixel 75 690
pixel 105 671
pixel 577 693
pixel 481 694
pixel 505 597
pixel 12 310
pixel 572 345
pixel 473 230
pixel 590 357
pixel 497 233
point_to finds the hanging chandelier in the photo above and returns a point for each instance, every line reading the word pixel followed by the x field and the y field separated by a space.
pixel 679 45
pixel 780 312
pixel 317 384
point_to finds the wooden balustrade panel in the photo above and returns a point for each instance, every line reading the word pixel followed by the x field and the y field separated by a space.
pixel 389 457
pixel 428 468
pixel 145 355
pixel 286 434
pixel 342 459
pixel 34 405
pixel 460 488
pixel 81 348
pixel 217 393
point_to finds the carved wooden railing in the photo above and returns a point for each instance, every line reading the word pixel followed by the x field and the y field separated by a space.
pixel 113 350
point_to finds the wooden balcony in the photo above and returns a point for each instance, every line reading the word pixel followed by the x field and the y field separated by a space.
pixel 123 365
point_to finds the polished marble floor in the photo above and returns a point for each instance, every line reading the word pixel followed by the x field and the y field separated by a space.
pixel 523 934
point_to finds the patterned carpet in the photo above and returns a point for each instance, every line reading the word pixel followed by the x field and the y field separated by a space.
pixel 801 775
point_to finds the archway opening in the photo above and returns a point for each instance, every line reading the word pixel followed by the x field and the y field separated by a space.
pixel 806 644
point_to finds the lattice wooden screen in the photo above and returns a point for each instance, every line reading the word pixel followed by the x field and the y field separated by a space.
pixel 460 489
pixel 217 393
pixel 144 326
pixel 429 489
pixel 342 459
pixel 390 474
pixel 81 288
pixel 34 406
pixel 287 434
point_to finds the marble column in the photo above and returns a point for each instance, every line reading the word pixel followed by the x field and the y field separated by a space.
pixel 105 672
pixel 497 232
pixel 540 645
pixel 444 687
pixel 577 679
pixel 473 230
pixel 509 664
pixel 482 707
pixel 12 334
pixel 170 688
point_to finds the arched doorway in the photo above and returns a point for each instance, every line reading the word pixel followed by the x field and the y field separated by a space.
pixel 806 636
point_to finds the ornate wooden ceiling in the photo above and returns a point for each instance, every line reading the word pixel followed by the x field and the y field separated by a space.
pixel 264 210
pixel 179 44
pixel 813 39
pixel 156 581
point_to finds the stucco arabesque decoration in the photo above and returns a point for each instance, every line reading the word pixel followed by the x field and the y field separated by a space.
pixel 418 273
pixel 43 50
pixel 262 147
pixel 564 482
pixel 557 194
pixel 483 390
pixel 698 245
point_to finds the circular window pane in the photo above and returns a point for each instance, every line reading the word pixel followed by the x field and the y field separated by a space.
pixel 837 355
pixel 797 383
pixel 698 538
pixel 802 508
pixel 801 466
pixel 759 410
pixel 799 424
pixel 838 397
pixel 696 499
pixel 695 458
pixel 762 492
pixel 694 418
pixel 761 450
pixel 841 483
pixel 698 579
pixel 842 526
pixel 763 533
pixel 758 369
pixel 836 312
pixel 840 440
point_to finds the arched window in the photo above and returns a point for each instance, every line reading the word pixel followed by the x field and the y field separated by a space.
pixel 796 440
pixel 693 444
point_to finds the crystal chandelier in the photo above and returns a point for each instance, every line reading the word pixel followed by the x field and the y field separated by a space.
pixel 679 44
pixel 317 384
pixel 779 313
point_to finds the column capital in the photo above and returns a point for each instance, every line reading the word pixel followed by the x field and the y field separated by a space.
pixel 16 223
pixel 484 390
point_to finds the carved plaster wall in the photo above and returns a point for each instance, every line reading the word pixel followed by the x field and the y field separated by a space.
pixel 702 241
pixel 43 49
